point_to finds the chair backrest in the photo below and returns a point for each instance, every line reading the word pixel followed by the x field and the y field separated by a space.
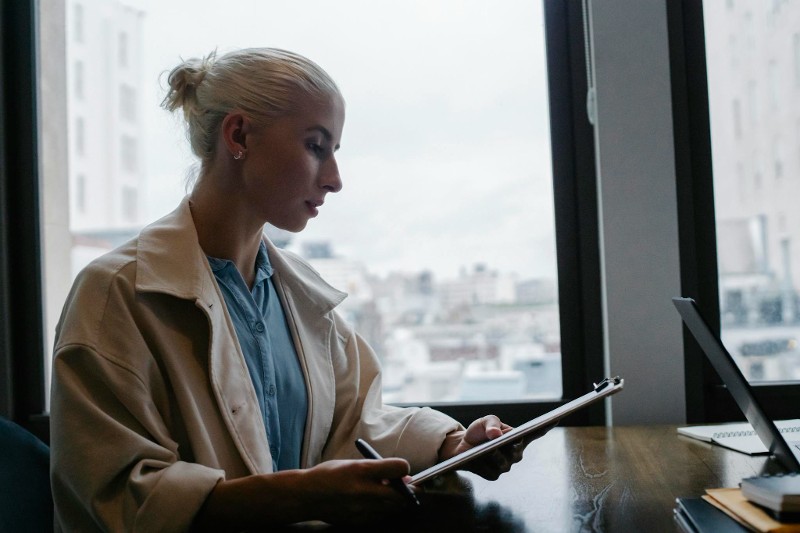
pixel 26 502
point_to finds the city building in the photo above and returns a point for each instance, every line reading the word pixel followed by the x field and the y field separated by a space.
pixel 105 125
pixel 753 56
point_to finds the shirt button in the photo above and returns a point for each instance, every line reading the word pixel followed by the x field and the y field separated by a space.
pixel 274 450
pixel 272 390
pixel 260 327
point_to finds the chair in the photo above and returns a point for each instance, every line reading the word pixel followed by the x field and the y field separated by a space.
pixel 26 502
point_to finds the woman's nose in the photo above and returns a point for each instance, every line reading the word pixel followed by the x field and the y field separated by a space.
pixel 331 181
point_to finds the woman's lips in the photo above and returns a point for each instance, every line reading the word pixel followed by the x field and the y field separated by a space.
pixel 313 207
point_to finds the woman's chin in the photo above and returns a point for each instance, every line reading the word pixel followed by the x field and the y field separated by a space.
pixel 293 227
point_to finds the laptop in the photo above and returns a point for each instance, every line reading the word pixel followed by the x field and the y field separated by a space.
pixel 787 453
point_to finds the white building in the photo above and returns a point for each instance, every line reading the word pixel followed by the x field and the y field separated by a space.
pixel 105 124
pixel 478 286
pixel 753 56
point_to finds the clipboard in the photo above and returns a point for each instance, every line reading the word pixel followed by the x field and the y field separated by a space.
pixel 605 388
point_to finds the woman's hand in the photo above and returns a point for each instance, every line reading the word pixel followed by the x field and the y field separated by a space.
pixel 495 463
pixel 338 492
pixel 356 492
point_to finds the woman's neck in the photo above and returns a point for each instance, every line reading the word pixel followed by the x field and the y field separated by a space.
pixel 223 228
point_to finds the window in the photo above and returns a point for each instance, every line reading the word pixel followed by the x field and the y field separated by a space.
pixel 127 103
pixel 468 311
pixel 129 153
pixel 77 23
pixel 78 73
pixel 80 136
pixel 80 193
pixel 796 51
pixel 761 326
pixel 510 280
pixel 753 105
pixel 130 204
pixel 122 49
pixel 738 257
pixel 774 78
pixel 777 151
pixel 742 181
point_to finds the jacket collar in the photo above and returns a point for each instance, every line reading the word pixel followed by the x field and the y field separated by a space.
pixel 170 260
pixel 302 283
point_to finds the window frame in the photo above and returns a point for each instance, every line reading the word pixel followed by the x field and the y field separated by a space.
pixel 21 288
pixel 577 237
pixel 575 196
pixel 707 399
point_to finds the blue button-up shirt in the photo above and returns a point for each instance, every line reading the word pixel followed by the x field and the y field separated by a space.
pixel 270 355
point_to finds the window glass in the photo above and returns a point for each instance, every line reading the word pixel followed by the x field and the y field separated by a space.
pixel 127 103
pixel 77 22
pixel 78 74
pixel 129 203
pixel 443 235
pixel 80 193
pixel 79 134
pixel 122 52
pixel 129 151
pixel 753 93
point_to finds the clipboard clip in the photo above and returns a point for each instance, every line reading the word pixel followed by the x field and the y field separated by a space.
pixel 605 383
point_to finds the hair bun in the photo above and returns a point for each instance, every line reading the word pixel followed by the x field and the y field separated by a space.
pixel 183 82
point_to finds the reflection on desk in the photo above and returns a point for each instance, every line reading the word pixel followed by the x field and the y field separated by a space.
pixel 589 479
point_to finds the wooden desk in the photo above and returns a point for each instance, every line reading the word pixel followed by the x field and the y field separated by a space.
pixel 591 479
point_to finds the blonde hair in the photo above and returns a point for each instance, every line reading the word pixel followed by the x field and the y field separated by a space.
pixel 264 83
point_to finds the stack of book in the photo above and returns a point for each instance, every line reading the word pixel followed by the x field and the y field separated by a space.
pixel 764 504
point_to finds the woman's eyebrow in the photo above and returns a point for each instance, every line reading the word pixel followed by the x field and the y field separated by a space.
pixel 323 130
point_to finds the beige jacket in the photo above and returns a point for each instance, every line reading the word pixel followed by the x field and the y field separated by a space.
pixel 151 401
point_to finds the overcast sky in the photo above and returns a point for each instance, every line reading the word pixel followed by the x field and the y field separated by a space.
pixel 445 154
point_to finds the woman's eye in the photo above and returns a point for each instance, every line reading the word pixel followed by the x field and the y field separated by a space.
pixel 316 148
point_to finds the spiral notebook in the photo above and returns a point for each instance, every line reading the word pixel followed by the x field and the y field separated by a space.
pixel 738 436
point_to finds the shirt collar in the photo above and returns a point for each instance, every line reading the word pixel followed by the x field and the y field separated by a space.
pixel 263 267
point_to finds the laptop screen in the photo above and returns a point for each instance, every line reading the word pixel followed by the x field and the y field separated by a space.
pixel 737 384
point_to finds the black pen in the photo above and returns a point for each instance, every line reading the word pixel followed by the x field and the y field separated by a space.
pixel 397 483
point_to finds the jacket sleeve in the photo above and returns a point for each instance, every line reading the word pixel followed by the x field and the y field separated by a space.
pixel 415 434
pixel 114 466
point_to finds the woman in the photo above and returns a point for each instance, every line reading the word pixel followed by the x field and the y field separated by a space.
pixel 201 376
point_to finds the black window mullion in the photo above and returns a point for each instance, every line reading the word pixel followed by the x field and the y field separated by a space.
pixel 6 382
pixel 695 193
pixel 22 302
pixel 575 189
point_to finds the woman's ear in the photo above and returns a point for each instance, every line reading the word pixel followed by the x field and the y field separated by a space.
pixel 235 129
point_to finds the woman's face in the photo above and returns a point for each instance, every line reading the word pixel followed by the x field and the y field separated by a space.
pixel 291 166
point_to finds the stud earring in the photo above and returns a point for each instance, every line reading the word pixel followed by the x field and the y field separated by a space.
pixel 239 155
